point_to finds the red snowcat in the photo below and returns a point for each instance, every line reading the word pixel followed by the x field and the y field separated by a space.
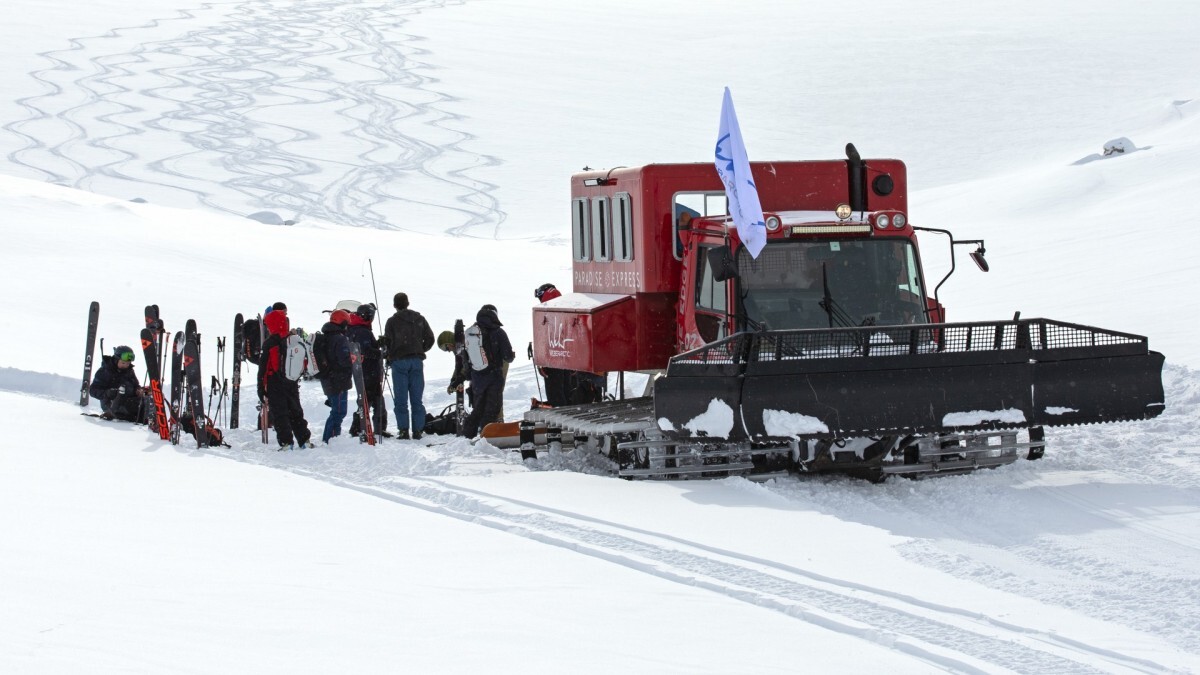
pixel 826 353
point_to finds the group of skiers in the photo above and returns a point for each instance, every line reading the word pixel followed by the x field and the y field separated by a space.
pixel 482 354
pixel 406 339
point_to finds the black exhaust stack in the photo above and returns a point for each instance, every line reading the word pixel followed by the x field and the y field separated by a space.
pixel 854 165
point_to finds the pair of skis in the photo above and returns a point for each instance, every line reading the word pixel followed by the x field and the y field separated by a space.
pixel 152 335
pixel 185 375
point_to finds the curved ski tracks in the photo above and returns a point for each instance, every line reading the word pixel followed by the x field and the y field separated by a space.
pixel 225 95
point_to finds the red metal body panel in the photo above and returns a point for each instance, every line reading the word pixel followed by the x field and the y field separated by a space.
pixel 627 315
pixel 605 333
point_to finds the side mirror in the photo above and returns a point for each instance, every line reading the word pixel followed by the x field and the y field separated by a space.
pixel 980 262
pixel 724 267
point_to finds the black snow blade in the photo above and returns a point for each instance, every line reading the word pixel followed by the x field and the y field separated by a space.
pixel 890 380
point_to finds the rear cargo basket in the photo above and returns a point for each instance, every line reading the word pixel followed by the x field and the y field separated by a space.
pixel 1032 336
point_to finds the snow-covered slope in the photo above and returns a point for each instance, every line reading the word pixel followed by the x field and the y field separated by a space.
pixel 123 553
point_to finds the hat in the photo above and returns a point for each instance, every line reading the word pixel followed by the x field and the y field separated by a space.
pixel 490 308
pixel 445 340
pixel 366 312
pixel 400 301
pixel 123 353
pixel 340 316
pixel 280 306
pixel 546 293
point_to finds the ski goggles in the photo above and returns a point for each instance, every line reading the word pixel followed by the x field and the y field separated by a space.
pixel 125 356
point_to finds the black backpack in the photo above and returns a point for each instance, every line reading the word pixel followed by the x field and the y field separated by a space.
pixel 320 350
pixel 252 349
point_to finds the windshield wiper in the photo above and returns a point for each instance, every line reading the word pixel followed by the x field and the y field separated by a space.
pixel 836 314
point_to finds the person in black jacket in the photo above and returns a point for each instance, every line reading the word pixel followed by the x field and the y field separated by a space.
pixel 336 377
pixel 360 331
pixel 117 388
pixel 407 337
pixel 487 384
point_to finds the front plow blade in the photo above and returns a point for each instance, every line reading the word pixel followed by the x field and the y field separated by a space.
pixel 894 380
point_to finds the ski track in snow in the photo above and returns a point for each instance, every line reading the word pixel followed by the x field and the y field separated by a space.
pixel 225 93
pixel 943 636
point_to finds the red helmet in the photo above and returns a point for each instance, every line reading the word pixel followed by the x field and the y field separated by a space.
pixel 546 293
pixel 340 316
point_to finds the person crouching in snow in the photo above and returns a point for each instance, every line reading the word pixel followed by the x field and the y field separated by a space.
pixel 117 388
pixel 282 394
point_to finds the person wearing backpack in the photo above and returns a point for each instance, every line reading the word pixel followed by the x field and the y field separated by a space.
pixel 282 394
pixel 360 331
pixel 408 337
pixel 490 352
pixel 331 349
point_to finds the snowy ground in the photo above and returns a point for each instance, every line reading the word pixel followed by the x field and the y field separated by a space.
pixel 435 140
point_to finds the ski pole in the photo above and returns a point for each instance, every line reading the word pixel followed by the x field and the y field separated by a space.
pixel 382 362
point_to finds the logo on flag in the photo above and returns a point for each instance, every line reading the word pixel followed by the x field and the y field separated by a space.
pixel 733 166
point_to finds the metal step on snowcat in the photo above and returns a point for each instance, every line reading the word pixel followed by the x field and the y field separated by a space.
pixel 878 400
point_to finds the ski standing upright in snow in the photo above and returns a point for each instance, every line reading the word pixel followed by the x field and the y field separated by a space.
pixel 93 325
pixel 460 343
pixel 195 386
pixel 367 433
pixel 150 349
pixel 239 349
pixel 176 385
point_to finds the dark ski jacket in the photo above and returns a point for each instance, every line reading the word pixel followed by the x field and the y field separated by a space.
pixel 360 332
pixel 408 334
pixel 110 378
pixel 497 347
pixel 336 375
pixel 106 388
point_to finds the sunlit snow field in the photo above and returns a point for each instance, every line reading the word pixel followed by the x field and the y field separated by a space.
pixel 431 144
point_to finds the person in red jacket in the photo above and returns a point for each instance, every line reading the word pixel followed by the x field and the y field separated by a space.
pixel 282 394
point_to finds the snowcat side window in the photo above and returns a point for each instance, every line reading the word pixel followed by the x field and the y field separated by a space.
pixel 581 230
pixel 622 228
pixel 601 229
pixel 710 299
pixel 695 205
pixel 710 293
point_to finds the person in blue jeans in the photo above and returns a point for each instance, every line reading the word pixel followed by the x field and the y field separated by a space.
pixel 407 337
pixel 333 355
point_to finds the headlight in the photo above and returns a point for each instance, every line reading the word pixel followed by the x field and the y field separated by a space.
pixel 772 223
pixel 842 211
pixel 899 220
pixel 882 221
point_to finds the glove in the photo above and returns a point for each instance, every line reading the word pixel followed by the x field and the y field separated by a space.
pixel 112 393
pixel 383 341
pixel 450 389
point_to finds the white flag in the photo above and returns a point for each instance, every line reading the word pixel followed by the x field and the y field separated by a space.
pixel 734 168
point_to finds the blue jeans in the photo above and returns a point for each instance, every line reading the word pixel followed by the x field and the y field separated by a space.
pixel 408 387
pixel 337 413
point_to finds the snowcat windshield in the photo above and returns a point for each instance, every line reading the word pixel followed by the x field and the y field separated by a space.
pixel 868 280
